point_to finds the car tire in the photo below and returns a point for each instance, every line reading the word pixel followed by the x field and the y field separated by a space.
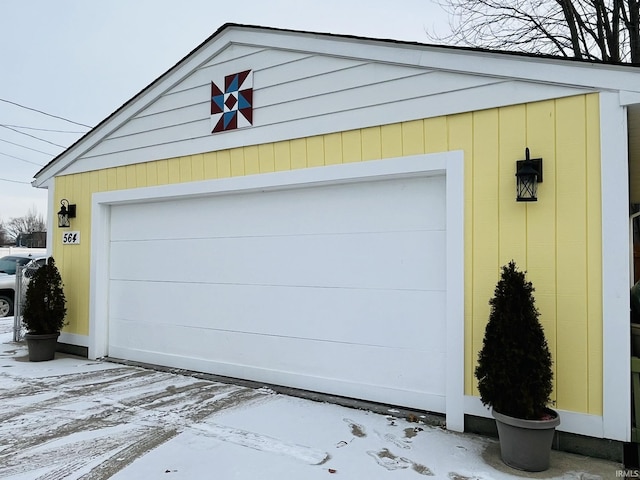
pixel 6 306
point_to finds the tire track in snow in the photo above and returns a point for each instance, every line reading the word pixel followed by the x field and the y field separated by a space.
pixel 64 457
pixel 152 407
pixel 121 459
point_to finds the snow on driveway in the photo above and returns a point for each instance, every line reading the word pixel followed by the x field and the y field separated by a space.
pixel 73 418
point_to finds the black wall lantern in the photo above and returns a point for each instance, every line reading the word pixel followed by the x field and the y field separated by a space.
pixel 528 176
pixel 66 212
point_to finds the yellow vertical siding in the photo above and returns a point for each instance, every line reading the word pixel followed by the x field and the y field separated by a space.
pixel 333 149
pixel 315 152
pixel 237 163
pixel 197 167
pixel 557 239
pixel 460 137
pixel 413 137
pixel 391 141
pixel 371 144
pixel 210 163
pixel 485 237
pixel 571 244
pixel 173 165
pixel 266 158
pixel 542 219
pixel 251 160
pixel 298 149
pixel 282 153
pixel 223 164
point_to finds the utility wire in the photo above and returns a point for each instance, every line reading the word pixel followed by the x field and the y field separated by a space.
pixel 14 181
pixel 22 159
pixel 41 129
pixel 28 148
pixel 43 113
pixel 32 136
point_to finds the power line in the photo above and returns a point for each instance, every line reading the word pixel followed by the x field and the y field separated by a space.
pixel 42 129
pixel 14 181
pixel 43 113
pixel 32 136
pixel 22 159
pixel 23 146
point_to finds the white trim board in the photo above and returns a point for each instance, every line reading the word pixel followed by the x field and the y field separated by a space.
pixel 449 163
pixel 615 267
pixel 570 422
pixel 74 339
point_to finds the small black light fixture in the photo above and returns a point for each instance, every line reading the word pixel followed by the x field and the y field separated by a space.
pixel 528 176
pixel 66 212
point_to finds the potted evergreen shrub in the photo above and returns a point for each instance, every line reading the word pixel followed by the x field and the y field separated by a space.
pixel 514 374
pixel 44 311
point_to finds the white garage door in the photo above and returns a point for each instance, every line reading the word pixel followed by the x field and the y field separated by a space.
pixel 338 289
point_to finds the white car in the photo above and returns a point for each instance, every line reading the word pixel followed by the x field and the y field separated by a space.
pixel 8 266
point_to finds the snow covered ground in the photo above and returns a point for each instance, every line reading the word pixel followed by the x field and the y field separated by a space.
pixel 73 418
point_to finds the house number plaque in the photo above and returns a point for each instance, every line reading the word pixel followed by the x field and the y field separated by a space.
pixel 71 238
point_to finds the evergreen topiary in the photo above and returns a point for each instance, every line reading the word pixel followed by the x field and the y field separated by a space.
pixel 514 366
pixel 45 303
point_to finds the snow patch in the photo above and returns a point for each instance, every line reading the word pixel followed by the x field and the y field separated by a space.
pixel 263 443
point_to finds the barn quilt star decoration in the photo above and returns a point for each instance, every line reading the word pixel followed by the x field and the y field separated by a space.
pixel 232 105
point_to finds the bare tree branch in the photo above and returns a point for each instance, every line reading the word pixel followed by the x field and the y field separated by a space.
pixel 31 222
pixel 600 30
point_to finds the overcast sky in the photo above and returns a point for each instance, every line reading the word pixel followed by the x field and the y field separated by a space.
pixel 82 59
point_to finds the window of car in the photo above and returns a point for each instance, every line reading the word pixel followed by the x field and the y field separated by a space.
pixel 10 263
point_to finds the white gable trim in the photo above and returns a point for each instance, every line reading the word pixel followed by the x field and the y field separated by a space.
pixel 575 75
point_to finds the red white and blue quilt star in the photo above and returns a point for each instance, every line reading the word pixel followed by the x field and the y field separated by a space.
pixel 232 105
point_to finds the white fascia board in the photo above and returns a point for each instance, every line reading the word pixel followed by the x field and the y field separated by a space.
pixel 493 64
pixel 629 98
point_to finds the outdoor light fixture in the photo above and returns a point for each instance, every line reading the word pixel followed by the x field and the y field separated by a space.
pixel 528 175
pixel 66 212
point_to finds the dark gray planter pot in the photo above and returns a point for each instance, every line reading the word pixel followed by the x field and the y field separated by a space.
pixel 41 347
pixel 526 444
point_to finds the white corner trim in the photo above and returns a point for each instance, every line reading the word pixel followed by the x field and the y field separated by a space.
pixel 450 164
pixel 99 280
pixel 615 268
pixel 455 293
pixel 51 195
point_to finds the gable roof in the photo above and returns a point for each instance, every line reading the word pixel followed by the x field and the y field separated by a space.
pixel 505 66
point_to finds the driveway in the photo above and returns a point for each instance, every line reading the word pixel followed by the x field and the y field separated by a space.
pixel 80 419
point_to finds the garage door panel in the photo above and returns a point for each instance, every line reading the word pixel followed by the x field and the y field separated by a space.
pixel 362 365
pixel 405 319
pixel 401 203
pixel 335 288
pixel 393 260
